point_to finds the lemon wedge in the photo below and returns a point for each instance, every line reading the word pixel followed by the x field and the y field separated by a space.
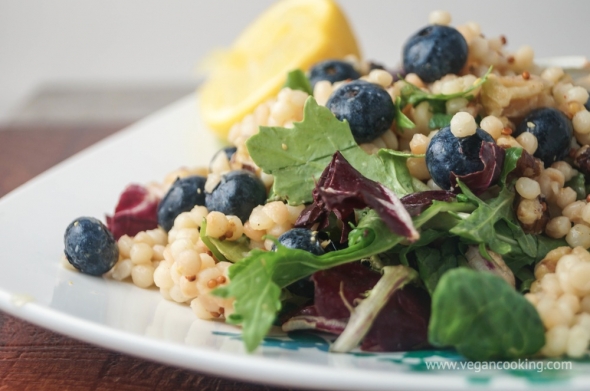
pixel 292 34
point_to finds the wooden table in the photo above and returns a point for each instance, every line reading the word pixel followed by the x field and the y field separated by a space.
pixel 32 358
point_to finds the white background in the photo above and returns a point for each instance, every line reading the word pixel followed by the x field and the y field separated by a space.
pixel 158 41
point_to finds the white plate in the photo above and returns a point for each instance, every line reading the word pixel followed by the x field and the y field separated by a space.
pixel 120 316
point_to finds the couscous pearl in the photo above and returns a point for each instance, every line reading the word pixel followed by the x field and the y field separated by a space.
pixel 235 228
pixel 586 213
pixel 143 275
pixel 439 17
pixel 577 342
pixel 528 188
pixel 558 227
pixel 528 141
pixel 577 94
pixel 556 341
pixel 580 277
pixel 419 143
pixel 277 211
pixel 122 269
pixel 216 224
pixel 552 74
pixel 579 235
pixel 565 196
pixel 162 277
pixel 463 125
pixel 581 122
pixel 259 220
pixel 492 125
pixel 141 253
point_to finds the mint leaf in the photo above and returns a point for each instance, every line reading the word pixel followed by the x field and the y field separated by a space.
pixel 296 157
pixel 296 80
pixel 483 317
pixel 264 273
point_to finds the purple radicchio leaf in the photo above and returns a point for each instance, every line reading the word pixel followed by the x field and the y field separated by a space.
pixel 416 203
pixel 342 189
pixel 309 319
pixel 402 323
pixel 136 211
pixel 492 157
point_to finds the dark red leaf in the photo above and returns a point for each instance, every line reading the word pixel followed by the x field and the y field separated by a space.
pixel 416 203
pixel 401 325
pixel 342 189
pixel 492 157
pixel 135 212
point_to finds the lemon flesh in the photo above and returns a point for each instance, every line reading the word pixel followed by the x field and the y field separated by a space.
pixel 292 34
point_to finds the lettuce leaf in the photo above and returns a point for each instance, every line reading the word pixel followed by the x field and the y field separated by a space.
pixel 296 157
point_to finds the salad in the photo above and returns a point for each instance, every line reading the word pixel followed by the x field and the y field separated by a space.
pixel 441 203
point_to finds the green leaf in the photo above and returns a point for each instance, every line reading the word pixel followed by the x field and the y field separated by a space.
pixel 233 250
pixel 414 95
pixel 433 262
pixel 440 120
pixel 259 301
pixel 296 157
pixel 296 80
pixel 209 243
pixel 578 184
pixel 396 169
pixel 402 120
pixel 483 317
pixel 510 162
pixel 265 272
pixel 479 226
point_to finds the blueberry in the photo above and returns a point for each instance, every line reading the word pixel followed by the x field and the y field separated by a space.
pixel 183 196
pixel 367 107
pixel 447 153
pixel 553 131
pixel 587 104
pixel 302 239
pixel 227 151
pixel 237 194
pixel 332 71
pixel 306 240
pixel 434 52
pixel 90 247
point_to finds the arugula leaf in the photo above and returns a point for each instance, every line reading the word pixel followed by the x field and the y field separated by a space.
pixel 483 317
pixel 440 120
pixel 493 224
pixel 296 80
pixel 411 94
pixel 297 157
pixel 479 226
pixel 209 243
pixel 578 184
pixel 264 273
pixel 402 120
